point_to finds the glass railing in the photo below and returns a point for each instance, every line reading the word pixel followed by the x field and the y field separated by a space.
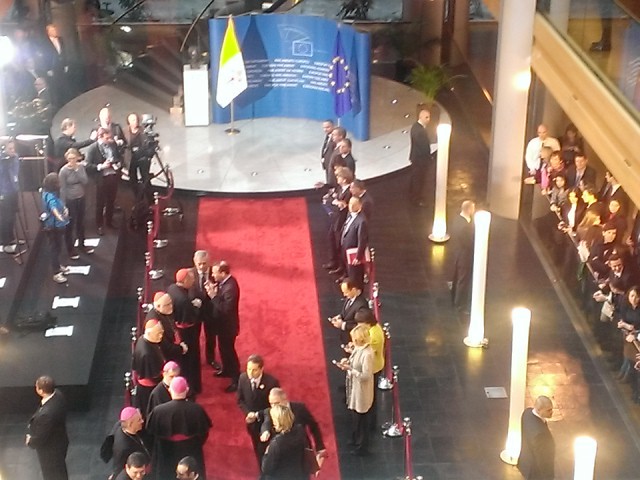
pixel 606 35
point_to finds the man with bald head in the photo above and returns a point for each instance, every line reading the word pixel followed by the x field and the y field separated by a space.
pixel 186 315
pixel 147 363
pixel 180 428
pixel 532 153
pixel 173 348
pixel 537 455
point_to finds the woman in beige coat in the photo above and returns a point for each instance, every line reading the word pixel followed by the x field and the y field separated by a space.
pixel 359 384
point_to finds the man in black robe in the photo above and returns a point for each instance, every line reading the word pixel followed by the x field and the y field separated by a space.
pixel 180 428
pixel 171 345
pixel 48 431
pixel 185 314
pixel 147 363
pixel 160 393
pixel 537 456
pixel 125 439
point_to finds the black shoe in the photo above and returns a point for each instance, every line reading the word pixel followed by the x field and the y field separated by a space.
pixel 329 266
pixel 340 280
pixel 335 270
pixel 100 231
pixel 221 373
pixel 600 46
pixel 73 255
pixel 215 365
pixel 231 388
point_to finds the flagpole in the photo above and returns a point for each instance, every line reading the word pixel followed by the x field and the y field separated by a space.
pixel 231 130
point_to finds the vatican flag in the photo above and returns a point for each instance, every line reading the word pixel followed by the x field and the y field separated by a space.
pixel 232 77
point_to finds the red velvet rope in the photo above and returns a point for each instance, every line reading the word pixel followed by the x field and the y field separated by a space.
pixel 408 455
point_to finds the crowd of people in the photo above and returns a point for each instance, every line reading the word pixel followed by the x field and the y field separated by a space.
pixel 165 427
pixel 112 155
pixel 599 221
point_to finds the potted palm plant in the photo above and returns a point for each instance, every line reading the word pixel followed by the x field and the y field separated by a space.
pixel 430 80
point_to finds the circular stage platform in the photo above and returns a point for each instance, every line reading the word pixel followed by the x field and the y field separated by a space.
pixel 269 155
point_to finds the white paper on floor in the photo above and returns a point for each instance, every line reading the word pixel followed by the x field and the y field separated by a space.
pixel 59 302
pixel 79 269
pixel 59 331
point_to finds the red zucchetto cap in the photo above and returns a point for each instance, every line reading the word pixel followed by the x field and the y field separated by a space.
pixel 182 274
pixel 151 323
pixel 170 366
pixel 179 385
pixel 127 413
pixel 158 296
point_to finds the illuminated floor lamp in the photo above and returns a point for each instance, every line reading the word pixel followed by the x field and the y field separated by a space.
pixel 439 232
pixel 475 337
pixel 521 319
pixel 584 450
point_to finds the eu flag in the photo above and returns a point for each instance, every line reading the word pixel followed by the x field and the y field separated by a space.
pixel 339 80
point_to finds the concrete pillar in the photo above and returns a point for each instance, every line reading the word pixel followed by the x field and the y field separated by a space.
pixel 513 77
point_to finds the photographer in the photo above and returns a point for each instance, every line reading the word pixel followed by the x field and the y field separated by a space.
pixel 140 158
pixel 103 161
pixel 9 189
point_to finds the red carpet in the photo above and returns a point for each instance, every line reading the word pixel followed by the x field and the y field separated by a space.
pixel 268 246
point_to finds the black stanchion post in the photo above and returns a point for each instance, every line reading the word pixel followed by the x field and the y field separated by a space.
pixel 127 389
pixel 157 242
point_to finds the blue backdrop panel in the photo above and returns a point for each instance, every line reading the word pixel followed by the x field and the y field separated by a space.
pixel 288 61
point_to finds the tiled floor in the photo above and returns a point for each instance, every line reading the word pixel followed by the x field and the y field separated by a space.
pixel 457 432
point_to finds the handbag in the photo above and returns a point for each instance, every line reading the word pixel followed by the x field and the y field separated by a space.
pixel 311 465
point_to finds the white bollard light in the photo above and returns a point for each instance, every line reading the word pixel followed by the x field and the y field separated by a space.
pixel 439 231
pixel 584 450
pixel 521 319
pixel 475 337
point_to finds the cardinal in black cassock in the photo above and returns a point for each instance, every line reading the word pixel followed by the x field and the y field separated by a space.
pixel 147 363
pixel 179 428
pixel 160 394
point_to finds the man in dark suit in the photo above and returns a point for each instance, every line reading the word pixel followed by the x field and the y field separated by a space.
pixel 420 157
pixel 302 415
pixel 225 300
pixel 103 161
pixel 537 455
pixel 354 242
pixel 67 140
pixel 53 63
pixel 327 145
pixel 337 135
pixel 202 274
pixel 612 190
pixel 343 158
pixel 462 236
pixel 48 431
pixel 580 171
pixel 354 300
pixel 358 189
pixel 105 121
pixel 336 203
pixel 253 398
